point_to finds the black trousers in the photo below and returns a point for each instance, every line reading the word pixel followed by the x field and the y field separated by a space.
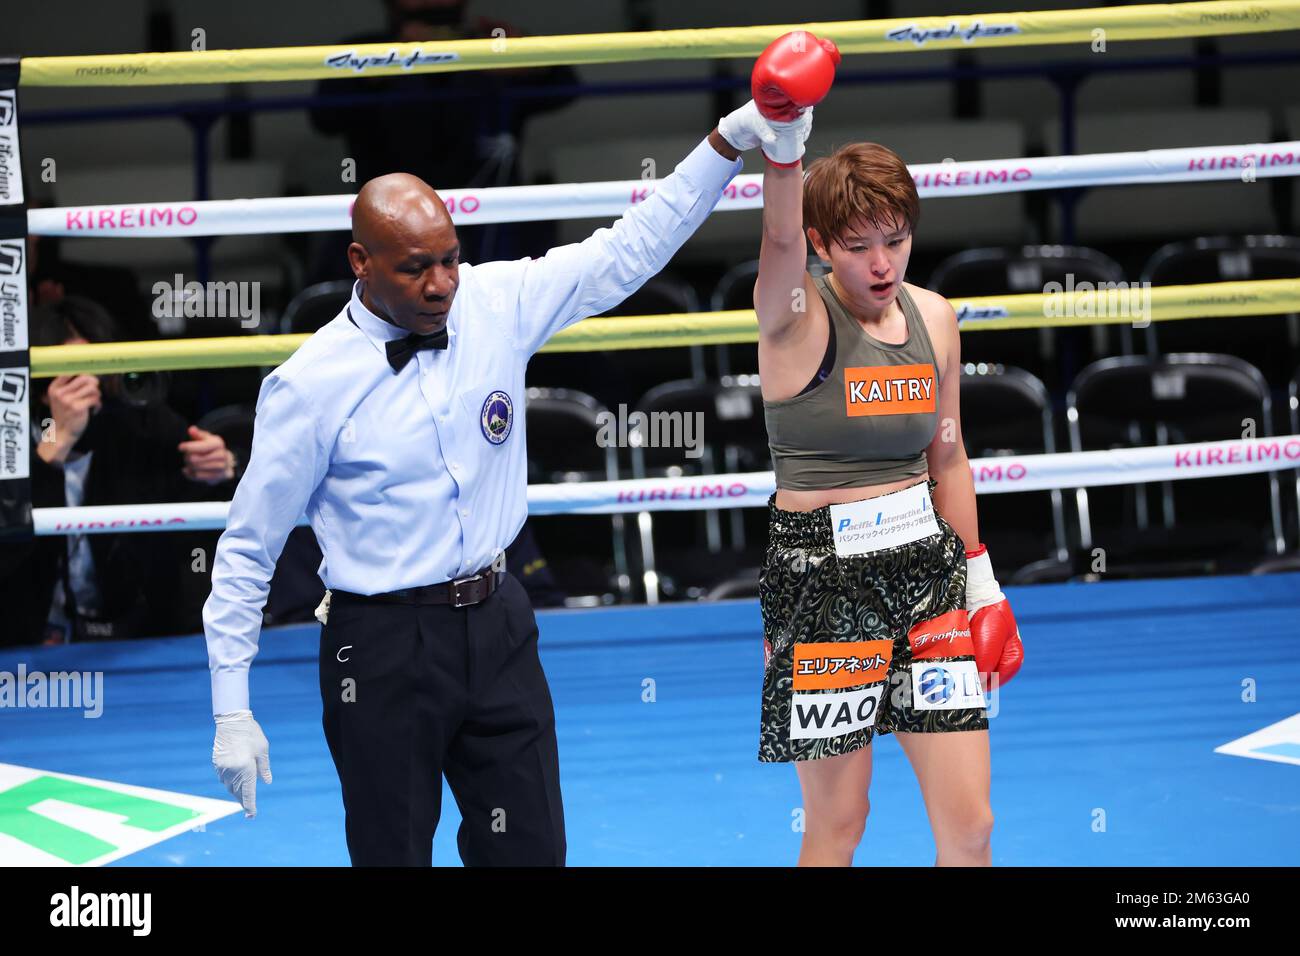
pixel 412 693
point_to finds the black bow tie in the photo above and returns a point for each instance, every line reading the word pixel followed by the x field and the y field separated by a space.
pixel 401 351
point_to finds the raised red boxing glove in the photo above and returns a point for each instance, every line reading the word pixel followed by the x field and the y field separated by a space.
pixel 793 73
pixel 993 629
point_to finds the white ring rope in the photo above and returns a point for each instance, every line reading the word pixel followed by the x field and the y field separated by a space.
pixel 230 217
pixel 999 475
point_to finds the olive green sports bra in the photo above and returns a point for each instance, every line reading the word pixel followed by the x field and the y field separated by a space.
pixel 870 419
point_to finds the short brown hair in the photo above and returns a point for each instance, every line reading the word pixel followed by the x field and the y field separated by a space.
pixel 859 181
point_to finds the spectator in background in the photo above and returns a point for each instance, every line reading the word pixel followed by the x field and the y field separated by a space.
pixel 106 441
pixel 471 138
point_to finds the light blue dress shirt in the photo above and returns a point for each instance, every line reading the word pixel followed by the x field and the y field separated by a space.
pixel 418 477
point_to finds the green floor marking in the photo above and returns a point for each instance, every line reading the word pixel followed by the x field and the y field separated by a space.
pixel 68 843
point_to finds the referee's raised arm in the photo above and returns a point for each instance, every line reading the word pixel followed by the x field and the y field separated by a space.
pixel 586 278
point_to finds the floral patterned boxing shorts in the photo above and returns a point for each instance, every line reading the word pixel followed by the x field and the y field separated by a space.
pixel 864 627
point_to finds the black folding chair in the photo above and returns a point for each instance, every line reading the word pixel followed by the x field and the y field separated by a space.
pixel 563 426
pixel 1195 525
pixel 314 306
pixel 621 376
pixel 683 554
pixel 1293 408
pixel 1269 342
pixel 1052 354
pixel 1291 560
pixel 1007 411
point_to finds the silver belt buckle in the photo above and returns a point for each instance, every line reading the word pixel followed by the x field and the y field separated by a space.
pixel 456 593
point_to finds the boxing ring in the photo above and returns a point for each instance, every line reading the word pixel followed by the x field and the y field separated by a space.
pixel 1153 721
pixel 1104 748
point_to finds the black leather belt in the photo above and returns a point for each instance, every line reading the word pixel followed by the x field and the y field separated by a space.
pixel 462 592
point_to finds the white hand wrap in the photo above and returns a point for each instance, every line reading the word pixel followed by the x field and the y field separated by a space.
pixel 981 586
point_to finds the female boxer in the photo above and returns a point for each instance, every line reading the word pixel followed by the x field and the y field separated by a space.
pixel 880 610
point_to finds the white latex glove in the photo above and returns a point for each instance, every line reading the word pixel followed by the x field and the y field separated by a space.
pixel 240 754
pixel 781 142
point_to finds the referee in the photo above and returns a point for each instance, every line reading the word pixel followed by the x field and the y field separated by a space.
pixel 398 428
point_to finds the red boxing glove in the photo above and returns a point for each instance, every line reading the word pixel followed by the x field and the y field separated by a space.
pixel 993 628
pixel 792 74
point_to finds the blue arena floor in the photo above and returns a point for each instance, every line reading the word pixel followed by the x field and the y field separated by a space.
pixel 1103 747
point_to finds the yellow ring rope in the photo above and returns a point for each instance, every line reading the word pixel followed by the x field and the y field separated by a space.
pixel 1078 307
pixel 1156 21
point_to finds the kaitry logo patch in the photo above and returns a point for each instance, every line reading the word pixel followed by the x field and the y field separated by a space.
pixel 889 390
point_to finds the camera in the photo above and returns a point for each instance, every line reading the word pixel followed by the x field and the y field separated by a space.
pixel 136 389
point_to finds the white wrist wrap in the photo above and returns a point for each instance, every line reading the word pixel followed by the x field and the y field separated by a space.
pixel 981 586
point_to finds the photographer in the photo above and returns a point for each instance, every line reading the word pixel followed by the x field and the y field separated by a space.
pixel 107 440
